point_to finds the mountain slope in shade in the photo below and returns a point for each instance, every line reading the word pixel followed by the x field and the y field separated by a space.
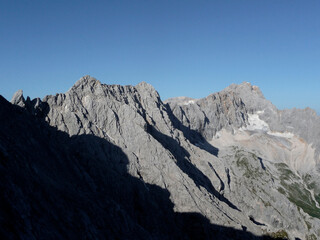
pixel 107 161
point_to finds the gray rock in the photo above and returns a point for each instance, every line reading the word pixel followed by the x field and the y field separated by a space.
pixel 18 98
pixel 251 96
pixel 211 114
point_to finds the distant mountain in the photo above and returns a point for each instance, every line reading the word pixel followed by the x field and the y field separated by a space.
pixel 115 162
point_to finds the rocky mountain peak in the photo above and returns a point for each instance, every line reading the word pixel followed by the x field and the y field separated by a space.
pixel 85 82
pixel 146 89
pixel 145 86
pixel 246 88
pixel 18 98
pixel 209 115
pixel 252 97
pixel 88 85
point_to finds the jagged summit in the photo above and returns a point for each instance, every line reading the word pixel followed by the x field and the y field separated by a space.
pixel 251 95
pixel 145 85
pixel 85 81
pixel 88 83
pixel 245 88
pixel 208 115
pixel 18 98
pixel 147 90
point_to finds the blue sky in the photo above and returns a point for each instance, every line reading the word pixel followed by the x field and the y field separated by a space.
pixel 182 48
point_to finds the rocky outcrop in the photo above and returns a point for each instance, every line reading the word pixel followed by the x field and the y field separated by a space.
pixel 109 161
pixel 210 114
pixel 18 98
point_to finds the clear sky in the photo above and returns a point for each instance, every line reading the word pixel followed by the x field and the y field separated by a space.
pixel 182 48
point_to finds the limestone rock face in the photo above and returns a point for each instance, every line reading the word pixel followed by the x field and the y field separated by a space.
pixel 211 114
pixel 109 161
pixel 18 98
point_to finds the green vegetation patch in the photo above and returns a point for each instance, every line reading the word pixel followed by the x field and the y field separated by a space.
pixel 317 197
pixel 301 197
pixel 282 191
pixel 311 237
pixel 312 185
pixel 286 173
pixel 296 192
pixel 309 226
pixel 282 234
pixel 243 163
pixel 266 204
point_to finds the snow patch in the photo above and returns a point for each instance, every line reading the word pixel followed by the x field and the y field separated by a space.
pixel 255 123
pixel 189 102
pixel 279 134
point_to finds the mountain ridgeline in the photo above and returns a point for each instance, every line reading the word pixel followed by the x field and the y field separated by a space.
pixel 115 162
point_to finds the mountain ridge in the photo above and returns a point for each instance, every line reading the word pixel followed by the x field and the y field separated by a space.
pixel 188 151
pixel 255 101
